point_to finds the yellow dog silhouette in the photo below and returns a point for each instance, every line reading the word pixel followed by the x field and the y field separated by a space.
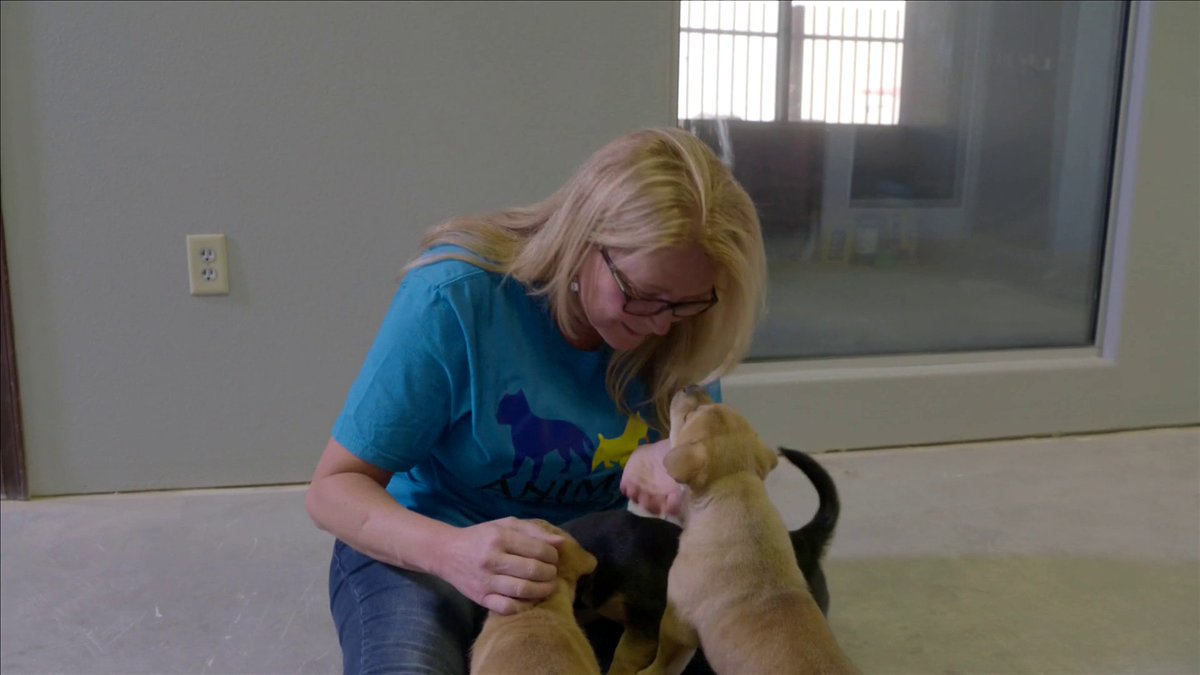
pixel 616 451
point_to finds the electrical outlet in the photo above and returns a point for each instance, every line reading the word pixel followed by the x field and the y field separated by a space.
pixel 208 264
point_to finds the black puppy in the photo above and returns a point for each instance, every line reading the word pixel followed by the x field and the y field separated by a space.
pixel 634 555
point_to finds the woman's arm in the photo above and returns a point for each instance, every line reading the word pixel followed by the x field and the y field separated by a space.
pixel 347 499
pixel 503 565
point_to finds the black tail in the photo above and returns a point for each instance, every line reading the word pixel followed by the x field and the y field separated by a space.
pixel 810 541
pixel 819 530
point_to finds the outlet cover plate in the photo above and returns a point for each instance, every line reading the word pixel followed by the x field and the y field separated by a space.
pixel 208 264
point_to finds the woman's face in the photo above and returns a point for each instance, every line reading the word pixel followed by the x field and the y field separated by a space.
pixel 675 275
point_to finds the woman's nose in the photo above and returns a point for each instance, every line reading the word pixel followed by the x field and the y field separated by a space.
pixel 661 323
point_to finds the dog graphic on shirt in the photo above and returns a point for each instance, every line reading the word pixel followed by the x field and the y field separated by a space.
pixel 615 452
pixel 533 437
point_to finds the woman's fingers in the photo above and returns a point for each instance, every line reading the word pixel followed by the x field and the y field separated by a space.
pixel 520 589
pixel 502 604
pixel 645 481
pixel 522 567
pixel 529 540
pixel 539 529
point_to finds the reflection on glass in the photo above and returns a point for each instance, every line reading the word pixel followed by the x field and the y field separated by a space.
pixel 957 202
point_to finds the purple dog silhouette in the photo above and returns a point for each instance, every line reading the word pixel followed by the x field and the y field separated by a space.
pixel 533 437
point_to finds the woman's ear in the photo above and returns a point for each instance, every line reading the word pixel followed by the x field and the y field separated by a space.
pixel 688 464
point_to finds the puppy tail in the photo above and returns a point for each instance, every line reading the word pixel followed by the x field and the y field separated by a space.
pixel 816 535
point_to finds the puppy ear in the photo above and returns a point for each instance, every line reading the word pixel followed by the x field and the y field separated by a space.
pixel 575 561
pixel 589 563
pixel 688 464
pixel 766 460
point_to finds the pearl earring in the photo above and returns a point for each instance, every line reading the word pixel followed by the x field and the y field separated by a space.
pixel 574 286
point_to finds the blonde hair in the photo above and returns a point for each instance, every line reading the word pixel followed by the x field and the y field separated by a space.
pixel 652 189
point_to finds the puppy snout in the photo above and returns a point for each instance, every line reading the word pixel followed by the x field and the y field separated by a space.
pixel 686 401
pixel 693 395
pixel 682 401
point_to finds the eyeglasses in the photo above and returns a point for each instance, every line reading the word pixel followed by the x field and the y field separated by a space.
pixel 638 306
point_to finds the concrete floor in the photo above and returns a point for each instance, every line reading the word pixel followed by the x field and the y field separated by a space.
pixel 1069 555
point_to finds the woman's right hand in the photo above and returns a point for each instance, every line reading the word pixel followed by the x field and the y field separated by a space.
pixel 504 565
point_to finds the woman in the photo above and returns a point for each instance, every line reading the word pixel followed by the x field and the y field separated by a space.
pixel 525 356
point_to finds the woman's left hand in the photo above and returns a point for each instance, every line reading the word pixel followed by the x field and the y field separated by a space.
pixel 646 482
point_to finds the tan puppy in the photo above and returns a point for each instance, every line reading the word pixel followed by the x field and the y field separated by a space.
pixel 545 639
pixel 735 585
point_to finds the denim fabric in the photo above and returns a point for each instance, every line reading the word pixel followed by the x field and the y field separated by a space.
pixel 391 620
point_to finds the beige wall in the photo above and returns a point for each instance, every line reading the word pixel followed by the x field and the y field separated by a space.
pixel 322 139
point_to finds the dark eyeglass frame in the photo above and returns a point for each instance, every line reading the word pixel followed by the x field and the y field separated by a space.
pixel 684 309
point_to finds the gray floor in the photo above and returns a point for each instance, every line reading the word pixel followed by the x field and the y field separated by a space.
pixel 1070 555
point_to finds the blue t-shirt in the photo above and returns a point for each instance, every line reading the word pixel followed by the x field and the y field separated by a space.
pixel 482 409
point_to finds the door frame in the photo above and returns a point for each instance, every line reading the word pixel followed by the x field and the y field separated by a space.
pixel 13 482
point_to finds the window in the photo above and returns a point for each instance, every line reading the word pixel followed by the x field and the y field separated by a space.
pixel 930 176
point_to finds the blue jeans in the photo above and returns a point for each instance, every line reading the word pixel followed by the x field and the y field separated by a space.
pixel 391 620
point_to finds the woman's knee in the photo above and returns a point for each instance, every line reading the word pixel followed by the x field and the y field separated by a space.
pixel 398 621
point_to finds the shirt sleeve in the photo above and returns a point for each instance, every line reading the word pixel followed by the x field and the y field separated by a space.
pixel 405 394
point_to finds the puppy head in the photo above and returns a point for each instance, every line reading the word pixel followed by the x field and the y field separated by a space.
pixel 710 440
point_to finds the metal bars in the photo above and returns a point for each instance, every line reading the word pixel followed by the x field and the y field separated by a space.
pixel 728 59
pixel 742 59
pixel 853 52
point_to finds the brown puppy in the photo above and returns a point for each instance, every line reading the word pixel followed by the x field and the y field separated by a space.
pixel 545 639
pixel 735 585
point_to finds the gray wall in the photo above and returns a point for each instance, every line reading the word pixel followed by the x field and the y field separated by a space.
pixel 322 139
